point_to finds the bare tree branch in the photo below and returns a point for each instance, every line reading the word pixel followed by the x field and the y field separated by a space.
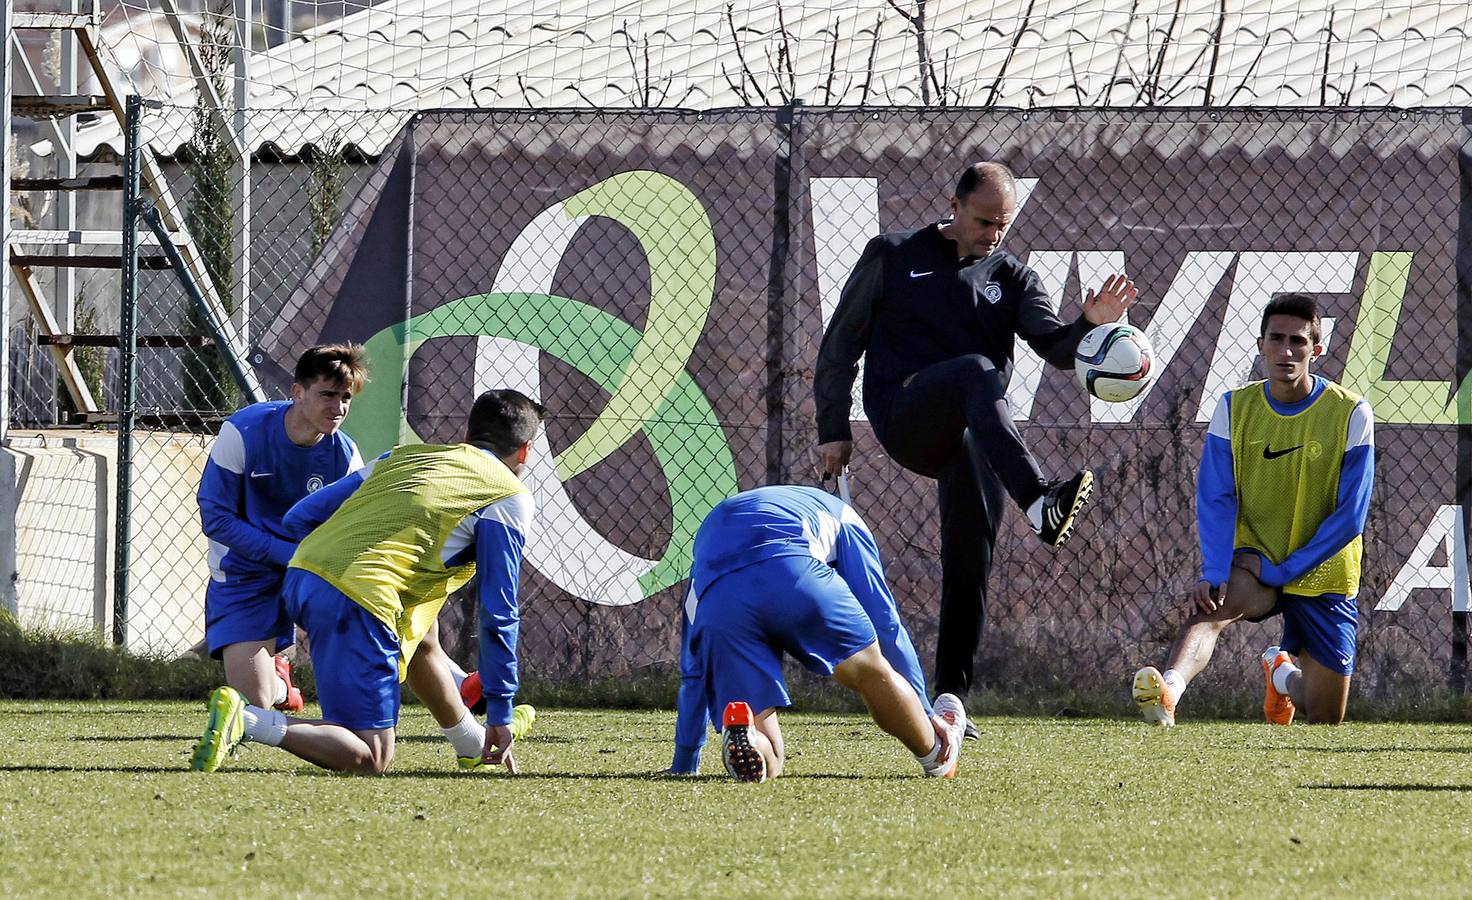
pixel 996 91
pixel 1216 52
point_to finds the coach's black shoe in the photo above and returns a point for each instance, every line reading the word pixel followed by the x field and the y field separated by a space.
pixel 743 761
pixel 1061 505
pixel 971 734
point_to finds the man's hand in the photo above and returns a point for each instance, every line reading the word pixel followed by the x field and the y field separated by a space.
pixel 1209 597
pixel 498 747
pixel 834 455
pixel 1112 300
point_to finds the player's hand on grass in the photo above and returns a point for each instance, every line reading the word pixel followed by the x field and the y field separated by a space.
pixel 1111 302
pixel 1209 597
pixel 498 747
pixel 834 455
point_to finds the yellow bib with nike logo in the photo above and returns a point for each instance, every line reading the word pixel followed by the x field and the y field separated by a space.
pixel 384 546
pixel 1287 474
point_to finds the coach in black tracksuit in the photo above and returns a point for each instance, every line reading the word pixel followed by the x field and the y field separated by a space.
pixel 938 312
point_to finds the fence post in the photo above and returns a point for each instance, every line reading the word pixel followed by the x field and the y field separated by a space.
pixel 127 366
pixel 777 297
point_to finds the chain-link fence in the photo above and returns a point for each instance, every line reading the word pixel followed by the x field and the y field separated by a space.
pixel 661 281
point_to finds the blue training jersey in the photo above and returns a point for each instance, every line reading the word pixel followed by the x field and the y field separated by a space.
pixel 1216 494
pixel 494 538
pixel 254 474
pixel 785 520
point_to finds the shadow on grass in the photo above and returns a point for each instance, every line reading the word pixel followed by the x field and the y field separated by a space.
pixel 1433 788
pixel 133 738
pixel 470 776
pixel 1372 749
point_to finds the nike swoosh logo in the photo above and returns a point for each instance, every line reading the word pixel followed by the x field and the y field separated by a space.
pixel 914 274
pixel 260 474
pixel 1269 453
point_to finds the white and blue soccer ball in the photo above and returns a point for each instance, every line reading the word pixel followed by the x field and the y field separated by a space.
pixel 1115 362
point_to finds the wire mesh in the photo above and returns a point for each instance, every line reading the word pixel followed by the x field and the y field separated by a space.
pixel 661 281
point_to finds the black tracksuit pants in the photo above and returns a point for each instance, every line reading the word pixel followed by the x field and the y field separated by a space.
pixel 951 422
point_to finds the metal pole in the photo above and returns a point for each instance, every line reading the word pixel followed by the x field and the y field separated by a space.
pixel 240 193
pixel 128 365
pixel 7 20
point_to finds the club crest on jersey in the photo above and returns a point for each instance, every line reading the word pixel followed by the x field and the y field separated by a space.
pixel 314 484
pixel 992 292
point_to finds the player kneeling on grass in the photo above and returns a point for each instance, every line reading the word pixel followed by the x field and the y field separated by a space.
pixel 390 544
pixel 266 458
pixel 1281 501
pixel 795 569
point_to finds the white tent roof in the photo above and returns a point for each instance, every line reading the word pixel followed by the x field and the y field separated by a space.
pixel 378 65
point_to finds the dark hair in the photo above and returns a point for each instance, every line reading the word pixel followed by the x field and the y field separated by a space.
pixel 345 364
pixel 502 420
pixel 1300 306
pixel 977 174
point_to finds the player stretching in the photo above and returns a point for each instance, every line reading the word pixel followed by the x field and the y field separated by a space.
pixel 936 313
pixel 266 458
pixel 1281 500
pixel 795 569
pixel 368 584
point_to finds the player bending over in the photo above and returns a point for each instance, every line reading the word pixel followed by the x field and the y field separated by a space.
pixel 794 569
pixel 1281 500
pixel 266 458
pixel 368 584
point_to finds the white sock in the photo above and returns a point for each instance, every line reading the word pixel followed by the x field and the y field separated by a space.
pixel 280 691
pixel 931 759
pixel 467 736
pixel 456 672
pixel 1280 676
pixel 265 726
pixel 1035 514
pixel 1174 681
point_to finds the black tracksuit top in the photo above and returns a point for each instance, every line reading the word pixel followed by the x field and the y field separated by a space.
pixel 911 302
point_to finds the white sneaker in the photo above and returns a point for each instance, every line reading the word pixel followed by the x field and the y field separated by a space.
pixel 948 709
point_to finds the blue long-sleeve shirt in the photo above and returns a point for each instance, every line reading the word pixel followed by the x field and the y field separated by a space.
pixel 785 520
pixel 253 475
pixel 1216 495
pixel 494 536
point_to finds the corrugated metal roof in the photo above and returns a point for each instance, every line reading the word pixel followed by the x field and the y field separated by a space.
pixel 419 54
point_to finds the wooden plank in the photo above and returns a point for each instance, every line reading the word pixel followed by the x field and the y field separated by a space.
pixel 190 341
pixel 76 385
pixel 85 262
pixel 95 183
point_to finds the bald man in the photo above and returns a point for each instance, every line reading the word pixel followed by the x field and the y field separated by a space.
pixel 938 312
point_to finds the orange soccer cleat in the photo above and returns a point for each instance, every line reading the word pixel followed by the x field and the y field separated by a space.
pixel 1277 707
pixel 293 701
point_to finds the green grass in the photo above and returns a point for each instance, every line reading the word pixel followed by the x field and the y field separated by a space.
pixel 96 799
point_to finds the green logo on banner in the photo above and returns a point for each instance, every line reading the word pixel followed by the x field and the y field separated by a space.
pixel 643 371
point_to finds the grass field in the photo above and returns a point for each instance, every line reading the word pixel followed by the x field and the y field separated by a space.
pixel 96 799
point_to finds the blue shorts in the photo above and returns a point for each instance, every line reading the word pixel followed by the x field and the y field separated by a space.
pixel 746 619
pixel 247 608
pixel 1322 627
pixel 355 657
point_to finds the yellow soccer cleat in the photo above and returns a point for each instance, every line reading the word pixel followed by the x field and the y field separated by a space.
pixel 223 733
pixel 1153 697
pixel 522 719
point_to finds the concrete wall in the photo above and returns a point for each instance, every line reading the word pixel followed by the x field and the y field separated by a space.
pixel 58 502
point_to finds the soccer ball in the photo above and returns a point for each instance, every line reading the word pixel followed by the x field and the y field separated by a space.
pixel 1114 362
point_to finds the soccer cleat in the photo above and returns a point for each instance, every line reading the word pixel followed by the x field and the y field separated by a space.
pixel 473 697
pixel 293 701
pixel 1277 707
pixel 522 719
pixel 949 710
pixel 223 733
pixel 971 734
pixel 1153 697
pixel 743 761
pixel 1061 505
